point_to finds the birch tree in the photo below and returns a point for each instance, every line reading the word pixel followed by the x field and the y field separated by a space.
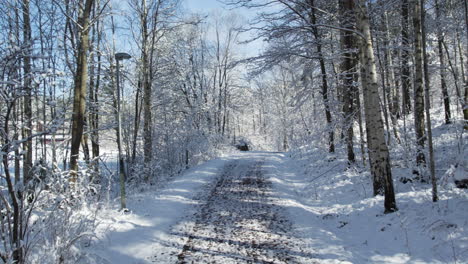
pixel 405 57
pixel 94 86
pixel 377 147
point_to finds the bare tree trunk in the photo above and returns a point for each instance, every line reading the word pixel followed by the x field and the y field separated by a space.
pixel 27 104
pixel 95 118
pixel 225 110
pixel 465 101
pixel 323 71
pixel 443 82
pixel 17 105
pixel 44 85
pixel 84 140
pixel 17 151
pixel 418 86
pixel 378 151
pixel 385 90
pixel 147 93
pixel 348 69
pixel 405 68
pixel 136 121
pixel 361 129
pixel 16 197
pixel 16 234
pixel 220 74
pixel 454 71
pixel 94 91
pixel 428 107
pixel 394 105
pixel 79 96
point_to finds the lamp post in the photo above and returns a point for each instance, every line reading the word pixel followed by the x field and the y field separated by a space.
pixel 123 204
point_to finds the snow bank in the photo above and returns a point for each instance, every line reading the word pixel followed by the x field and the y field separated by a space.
pixel 333 209
pixel 136 237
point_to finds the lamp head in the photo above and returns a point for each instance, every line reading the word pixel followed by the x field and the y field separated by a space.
pixel 122 56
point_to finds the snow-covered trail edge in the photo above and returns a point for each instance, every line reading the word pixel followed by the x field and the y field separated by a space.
pixel 131 238
pixel 335 213
pixel 332 212
pixel 148 230
pixel 287 183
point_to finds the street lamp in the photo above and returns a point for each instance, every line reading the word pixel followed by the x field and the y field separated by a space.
pixel 118 57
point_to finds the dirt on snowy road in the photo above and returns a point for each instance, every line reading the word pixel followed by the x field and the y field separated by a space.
pixel 237 220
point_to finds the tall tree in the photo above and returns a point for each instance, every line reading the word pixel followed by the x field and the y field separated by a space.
pixel 80 83
pixel 405 57
pixel 94 85
pixel 323 71
pixel 27 104
pixel 146 62
pixel 427 105
pixel 348 70
pixel 379 156
pixel 465 101
pixel 392 87
pixel 443 82
pixel 418 84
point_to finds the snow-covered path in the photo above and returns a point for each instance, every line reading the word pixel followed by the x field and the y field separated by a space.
pixel 238 221
pixel 224 211
pixel 258 207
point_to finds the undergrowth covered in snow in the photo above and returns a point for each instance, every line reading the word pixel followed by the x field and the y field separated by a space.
pixel 329 203
pixel 343 220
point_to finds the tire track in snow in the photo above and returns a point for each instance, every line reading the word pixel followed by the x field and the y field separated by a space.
pixel 237 221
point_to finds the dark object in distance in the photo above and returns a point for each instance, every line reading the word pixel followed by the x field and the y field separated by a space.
pixel 405 180
pixel 242 146
pixel 463 184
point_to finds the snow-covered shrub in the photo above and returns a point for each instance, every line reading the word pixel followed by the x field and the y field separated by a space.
pixel 57 217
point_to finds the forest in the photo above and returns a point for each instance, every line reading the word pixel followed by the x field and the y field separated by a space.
pixel 102 100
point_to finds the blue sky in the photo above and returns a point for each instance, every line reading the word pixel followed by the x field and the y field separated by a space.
pixel 210 6
pixel 206 7
pixel 203 5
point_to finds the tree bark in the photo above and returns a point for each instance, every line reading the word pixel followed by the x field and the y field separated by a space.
pixel 151 31
pixel 377 148
pixel 79 94
pixel 27 103
pixel 323 71
pixel 405 68
pixel 348 69
pixel 443 82
pixel 435 197
pixel 136 121
pixel 147 93
pixel 393 92
pixel 94 84
pixel 465 101
pixel 418 85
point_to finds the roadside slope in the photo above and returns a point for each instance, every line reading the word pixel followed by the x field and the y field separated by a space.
pixel 333 210
pixel 135 237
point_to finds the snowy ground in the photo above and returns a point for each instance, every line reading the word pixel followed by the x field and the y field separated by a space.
pixel 224 211
pixel 264 207
pixel 334 209
pixel 239 221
